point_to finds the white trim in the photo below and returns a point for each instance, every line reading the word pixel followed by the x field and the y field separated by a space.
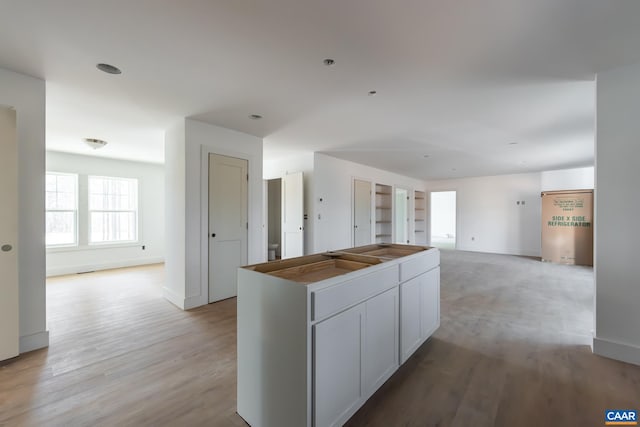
pixel 74 269
pixel 616 350
pixel 197 301
pixel 34 341
pixel 173 298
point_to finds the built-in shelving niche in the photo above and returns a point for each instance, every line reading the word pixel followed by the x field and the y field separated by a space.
pixel 384 213
pixel 420 225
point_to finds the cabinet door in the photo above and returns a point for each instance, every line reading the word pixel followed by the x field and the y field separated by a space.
pixel 410 323
pixel 380 357
pixel 430 302
pixel 337 369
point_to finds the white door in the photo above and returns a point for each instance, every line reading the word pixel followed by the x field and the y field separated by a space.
pixel 228 226
pixel 361 212
pixel 292 215
pixel 9 332
pixel 337 380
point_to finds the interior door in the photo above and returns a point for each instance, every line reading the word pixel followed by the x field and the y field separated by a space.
pixel 292 215
pixel 9 302
pixel 361 212
pixel 228 226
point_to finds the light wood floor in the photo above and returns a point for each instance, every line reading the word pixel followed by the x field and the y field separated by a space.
pixel 512 351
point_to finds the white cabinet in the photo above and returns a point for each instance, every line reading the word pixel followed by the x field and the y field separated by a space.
pixel 410 335
pixel 337 373
pixel 430 303
pixel 319 334
pixel 419 311
pixel 380 356
pixel 355 352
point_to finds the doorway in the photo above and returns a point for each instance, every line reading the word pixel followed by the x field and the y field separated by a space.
pixel 292 215
pixel 401 215
pixel 9 334
pixel 274 218
pixel 361 212
pixel 228 225
pixel 443 219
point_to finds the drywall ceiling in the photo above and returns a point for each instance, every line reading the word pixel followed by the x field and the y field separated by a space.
pixel 456 81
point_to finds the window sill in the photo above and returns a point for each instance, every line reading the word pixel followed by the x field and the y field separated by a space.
pixel 95 246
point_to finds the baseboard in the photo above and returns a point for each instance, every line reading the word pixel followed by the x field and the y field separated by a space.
pixel 34 341
pixel 193 302
pixel 616 350
pixel 60 271
pixel 173 298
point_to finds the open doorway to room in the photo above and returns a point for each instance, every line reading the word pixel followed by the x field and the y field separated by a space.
pixel 401 213
pixel 274 218
pixel 443 219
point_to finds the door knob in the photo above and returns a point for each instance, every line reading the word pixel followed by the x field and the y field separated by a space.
pixel 213 234
pixel 6 248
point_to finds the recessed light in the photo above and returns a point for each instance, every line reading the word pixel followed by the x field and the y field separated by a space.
pixel 108 68
pixel 95 143
pixel 255 116
pixel 329 62
pixel 372 93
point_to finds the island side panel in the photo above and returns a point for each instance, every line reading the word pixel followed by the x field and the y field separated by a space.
pixel 273 355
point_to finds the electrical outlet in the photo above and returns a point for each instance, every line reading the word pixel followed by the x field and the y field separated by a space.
pixel 144 247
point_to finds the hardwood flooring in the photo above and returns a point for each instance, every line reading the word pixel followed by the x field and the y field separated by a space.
pixel 512 350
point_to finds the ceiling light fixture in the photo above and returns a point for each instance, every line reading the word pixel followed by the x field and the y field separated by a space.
pixel 255 116
pixel 372 93
pixel 329 62
pixel 95 143
pixel 108 68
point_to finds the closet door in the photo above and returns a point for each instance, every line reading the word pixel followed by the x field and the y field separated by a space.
pixel 9 332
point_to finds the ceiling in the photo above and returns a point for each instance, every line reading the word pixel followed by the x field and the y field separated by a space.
pixel 481 88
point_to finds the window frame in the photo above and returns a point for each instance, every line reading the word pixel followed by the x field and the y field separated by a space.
pixel 136 212
pixel 76 212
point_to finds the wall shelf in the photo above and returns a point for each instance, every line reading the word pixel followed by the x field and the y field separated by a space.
pixel 420 206
pixel 384 213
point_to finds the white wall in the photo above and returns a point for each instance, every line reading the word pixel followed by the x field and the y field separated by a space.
pixel 187 146
pixel 332 182
pixel 617 259
pixel 27 96
pixel 568 179
pixel 278 168
pixel 86 257
pixel 490 220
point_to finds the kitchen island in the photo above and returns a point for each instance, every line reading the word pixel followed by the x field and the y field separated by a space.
pixel 319 334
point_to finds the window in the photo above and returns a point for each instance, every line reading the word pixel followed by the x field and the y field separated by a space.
pixel 61 209
pixel 113 209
